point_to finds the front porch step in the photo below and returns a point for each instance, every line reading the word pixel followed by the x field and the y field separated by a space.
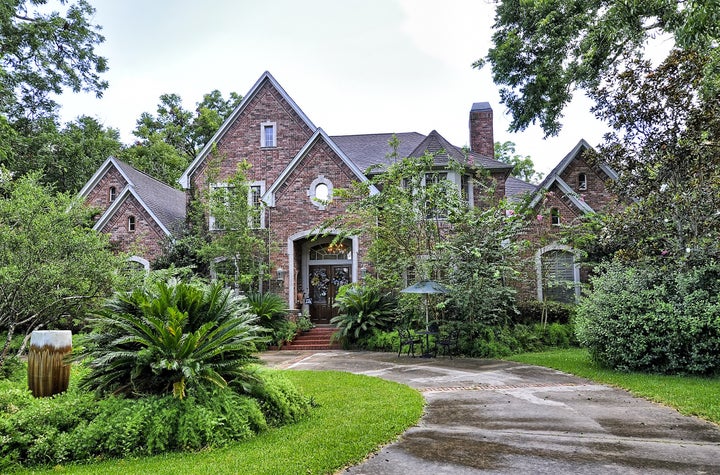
pixel 318 338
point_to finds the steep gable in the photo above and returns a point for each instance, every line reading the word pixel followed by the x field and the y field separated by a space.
pixel 239 138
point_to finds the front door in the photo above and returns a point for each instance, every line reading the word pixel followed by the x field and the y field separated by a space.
pixel 325 280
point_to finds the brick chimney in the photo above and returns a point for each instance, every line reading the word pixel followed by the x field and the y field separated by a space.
pixel 481 129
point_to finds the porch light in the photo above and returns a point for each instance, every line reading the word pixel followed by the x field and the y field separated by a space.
pixel 280 274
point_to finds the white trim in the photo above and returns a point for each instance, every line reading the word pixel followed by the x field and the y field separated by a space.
pixel 140 260
pixel 538 267
pixel 128 191
pixel 266 76
pixel 100 173
pixel 263 140
pixel 270 197
pixel 304 262
pixel 261 184
pixel 320 180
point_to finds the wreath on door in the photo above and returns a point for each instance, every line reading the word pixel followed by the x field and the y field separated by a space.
pixel 320 280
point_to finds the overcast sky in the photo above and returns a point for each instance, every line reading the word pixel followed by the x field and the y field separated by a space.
pixel 353 66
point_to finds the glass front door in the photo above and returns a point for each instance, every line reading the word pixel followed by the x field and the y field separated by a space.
pixel 325 280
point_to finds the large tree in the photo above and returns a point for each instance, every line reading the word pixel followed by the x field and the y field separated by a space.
pixel 52 263
pixel 543 51
pixel 43 52
pixel 523 166
pixel 169 140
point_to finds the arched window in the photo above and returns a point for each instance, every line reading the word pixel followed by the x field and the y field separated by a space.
pixel 582 182
pixel 112 194
pixel 558 275
pixel 131 224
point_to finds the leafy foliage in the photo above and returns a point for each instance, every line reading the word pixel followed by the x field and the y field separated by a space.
pixel 523 167
pixel 640 318
pixel 53 266
pixel 75 426
pixel 169 338
pixel 542 51
pixel 363 309
pixel 44 52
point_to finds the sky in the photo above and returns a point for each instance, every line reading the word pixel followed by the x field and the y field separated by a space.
pixel 353 66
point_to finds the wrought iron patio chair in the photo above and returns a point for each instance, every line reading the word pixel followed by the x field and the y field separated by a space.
pixel 409 340
pixel 448 343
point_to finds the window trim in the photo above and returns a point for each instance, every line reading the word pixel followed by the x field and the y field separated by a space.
pixel 263 140
pixel 582 182
pixel 320 180
pixel 112 194
pixel 555 216
pixel 260 184
pixel 131 223
pixel 539 270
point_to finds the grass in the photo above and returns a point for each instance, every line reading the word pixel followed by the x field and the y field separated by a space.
pixel 355 415
pixel 690 395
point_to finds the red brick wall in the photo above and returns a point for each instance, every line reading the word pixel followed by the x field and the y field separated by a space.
pixel 597 196
pixel 481 132
pixel 145 241
pixel 242 140
pixel 99 196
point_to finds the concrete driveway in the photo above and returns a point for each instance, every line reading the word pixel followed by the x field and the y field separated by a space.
pixel 489 416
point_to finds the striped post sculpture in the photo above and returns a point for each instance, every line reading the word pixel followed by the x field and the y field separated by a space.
pixel 47 372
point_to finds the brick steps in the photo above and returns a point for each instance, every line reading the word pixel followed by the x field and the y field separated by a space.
pixel 319 338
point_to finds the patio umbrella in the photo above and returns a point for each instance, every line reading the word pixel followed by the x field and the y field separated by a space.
pixel 426 287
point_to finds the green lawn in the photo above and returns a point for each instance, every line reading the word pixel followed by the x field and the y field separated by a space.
pixel 355 415
pixel 691 395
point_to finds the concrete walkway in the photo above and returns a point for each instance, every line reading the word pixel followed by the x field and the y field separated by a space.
pixel 489 416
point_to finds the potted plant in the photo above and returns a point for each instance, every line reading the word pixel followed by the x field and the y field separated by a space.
pixel 304 324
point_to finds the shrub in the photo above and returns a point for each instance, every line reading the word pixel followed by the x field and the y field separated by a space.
pixel 75 426
pixel 168 338
pixel 271 310
pixel 641 319
pixel 361 310
pixel 530 312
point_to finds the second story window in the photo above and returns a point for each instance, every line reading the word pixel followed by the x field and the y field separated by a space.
pixel 555 216
pixel 582 182
pixel 112 194
pixel 131 224
pixel 268 134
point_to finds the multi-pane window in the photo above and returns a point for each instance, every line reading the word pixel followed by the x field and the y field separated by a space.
pixel 558 276
pixel 255 197
pixel 432 210
pixel 131 224
pixel 112 194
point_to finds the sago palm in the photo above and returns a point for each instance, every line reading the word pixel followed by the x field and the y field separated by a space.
pixel 169 338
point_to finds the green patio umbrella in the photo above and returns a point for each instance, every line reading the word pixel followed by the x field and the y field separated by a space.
pixel 426 287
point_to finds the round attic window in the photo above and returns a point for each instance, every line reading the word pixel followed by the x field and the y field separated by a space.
pixel 320 191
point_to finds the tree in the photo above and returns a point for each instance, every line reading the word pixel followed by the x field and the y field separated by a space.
pixel 43 53
pixel 523 167
pixel 67 157
pixel 665 147
pixel 543 51
pixel 53 265
pixel 170 140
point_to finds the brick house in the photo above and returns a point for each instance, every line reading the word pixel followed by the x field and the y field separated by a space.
pixel 294 165
pixel 136 210
pixel 572 189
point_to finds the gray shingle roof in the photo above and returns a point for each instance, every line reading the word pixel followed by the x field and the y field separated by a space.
pixel 166 202
pixel 373 149
pixel 516 188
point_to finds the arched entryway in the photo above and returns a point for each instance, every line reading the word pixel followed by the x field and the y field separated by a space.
pixel 320 268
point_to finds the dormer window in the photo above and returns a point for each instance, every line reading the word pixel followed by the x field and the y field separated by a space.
pixel 131 224
pixel 268 134
pixel 582 182
pixel 112 194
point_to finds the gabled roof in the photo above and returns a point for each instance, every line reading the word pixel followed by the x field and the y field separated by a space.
pixel 515 188
pixel 370 150
pixel 269 196
pixel 554 177
pixel 164 203
pixel 247 99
